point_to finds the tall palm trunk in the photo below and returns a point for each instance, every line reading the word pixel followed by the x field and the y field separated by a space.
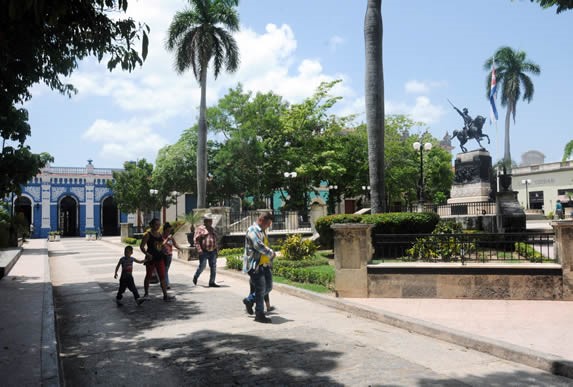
pixel 202 143
pixel 506 149
pixel 374 95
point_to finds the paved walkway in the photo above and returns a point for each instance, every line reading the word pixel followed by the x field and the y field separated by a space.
pixel 207 339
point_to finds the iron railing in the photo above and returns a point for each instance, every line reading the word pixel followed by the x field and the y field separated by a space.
pixel 473 247
pixel 289 221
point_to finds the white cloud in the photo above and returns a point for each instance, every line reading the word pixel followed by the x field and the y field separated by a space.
pixel 422 87
pixel 334 42
pixel 416 87
pixel 423 110
pixel 147 97
pixel 124 140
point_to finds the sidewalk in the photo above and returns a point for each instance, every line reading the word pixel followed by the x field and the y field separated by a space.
pixel 535 333
pixel 28 347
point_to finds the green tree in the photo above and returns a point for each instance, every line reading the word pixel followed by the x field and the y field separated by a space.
pixel 250 159
pixel 175 165
pixel 511 73
pixel 131 188
pixel 43 41
pixel 568 150
pixel 562 5
pixel 374 96
pixel 198 35
pixel 17 163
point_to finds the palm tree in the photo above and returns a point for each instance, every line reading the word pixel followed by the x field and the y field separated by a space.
pixel 374 96
pixel 568 150
pixel 511 68
pixel 197 35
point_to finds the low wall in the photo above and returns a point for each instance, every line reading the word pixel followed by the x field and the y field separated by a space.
pixel 479 281
pixel 356 278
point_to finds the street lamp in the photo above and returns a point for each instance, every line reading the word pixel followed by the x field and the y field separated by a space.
pixel 419 148
pixel 366 189
pixel 331 198
pixel 153 192
pixel 290 174
pixel 176 194
pixel 526 182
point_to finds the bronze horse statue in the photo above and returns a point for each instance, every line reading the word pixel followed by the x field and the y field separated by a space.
pixel 474 131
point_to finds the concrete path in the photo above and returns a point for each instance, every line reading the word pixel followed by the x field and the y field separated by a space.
pixel 206 338
pixel 28 348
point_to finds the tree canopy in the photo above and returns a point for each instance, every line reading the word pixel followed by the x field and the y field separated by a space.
pixel 562 5
pixel 43 41
pixel 199 35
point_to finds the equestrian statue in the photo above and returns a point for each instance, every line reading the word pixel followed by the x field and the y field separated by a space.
pixel 472 128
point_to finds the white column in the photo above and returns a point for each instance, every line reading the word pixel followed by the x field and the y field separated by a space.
pixel 45 199
pixel 89 203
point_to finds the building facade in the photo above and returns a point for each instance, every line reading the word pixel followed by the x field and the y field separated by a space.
pixel 539 186
pixel 70 201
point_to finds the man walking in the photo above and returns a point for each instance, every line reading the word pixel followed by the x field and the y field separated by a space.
pixel 206 242
pixel 258 269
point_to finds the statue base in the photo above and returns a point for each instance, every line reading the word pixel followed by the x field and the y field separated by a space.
pixel 510 215
pixel 472 180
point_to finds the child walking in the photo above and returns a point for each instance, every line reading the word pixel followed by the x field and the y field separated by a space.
pixel 126 279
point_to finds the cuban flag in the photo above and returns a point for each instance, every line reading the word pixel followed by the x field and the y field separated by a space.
pixel 492 95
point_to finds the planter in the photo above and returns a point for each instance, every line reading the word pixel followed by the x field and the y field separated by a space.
pixel 190 236
pixel 51 238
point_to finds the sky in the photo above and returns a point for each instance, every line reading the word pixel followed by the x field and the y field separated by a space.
pixel 432 51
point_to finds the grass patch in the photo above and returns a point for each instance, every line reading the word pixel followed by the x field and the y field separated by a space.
pixel 311 287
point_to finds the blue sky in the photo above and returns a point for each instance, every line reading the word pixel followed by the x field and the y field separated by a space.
pixel 433 50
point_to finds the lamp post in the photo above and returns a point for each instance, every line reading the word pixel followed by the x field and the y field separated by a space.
pixel 153 192
pixel 176 194
pixel 526 182
pixel 331 198
pixel 418 147
pixel 366 190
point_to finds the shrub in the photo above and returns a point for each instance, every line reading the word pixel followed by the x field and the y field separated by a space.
pixel 311 275
pixel 527 251
pixel 233 251
pixel 439 247
pixel 295 248
pixel 235 262
pixel 388 223
pixel 130 241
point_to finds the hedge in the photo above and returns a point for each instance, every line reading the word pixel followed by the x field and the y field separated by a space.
pixel 387 223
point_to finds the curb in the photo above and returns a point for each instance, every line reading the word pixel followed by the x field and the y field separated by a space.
pixel 503 350
pixel 50 364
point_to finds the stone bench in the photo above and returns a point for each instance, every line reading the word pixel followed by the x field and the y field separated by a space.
pixel 8 258
pixel 187 253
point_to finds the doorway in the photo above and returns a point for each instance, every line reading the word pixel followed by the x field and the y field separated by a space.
pixel 109 217
pixel 68 216
pixel 24 205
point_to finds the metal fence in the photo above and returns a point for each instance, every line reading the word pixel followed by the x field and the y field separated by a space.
pixel 472 247
pixel 282 221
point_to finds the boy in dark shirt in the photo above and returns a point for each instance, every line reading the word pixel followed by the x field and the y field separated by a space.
pixel 126 279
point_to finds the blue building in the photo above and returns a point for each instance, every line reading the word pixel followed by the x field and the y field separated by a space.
pixel 71 201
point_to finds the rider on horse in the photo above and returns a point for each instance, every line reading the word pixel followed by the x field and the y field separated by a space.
pixel 472 128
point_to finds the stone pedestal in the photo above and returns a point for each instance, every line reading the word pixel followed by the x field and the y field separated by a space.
pixel 510 215
pixel 564 252
pixel 472 180
pixel 187 253
pixel 126 231
pixel 317 210
pixel 352 252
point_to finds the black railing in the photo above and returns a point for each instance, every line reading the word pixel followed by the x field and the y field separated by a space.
pixel 282 221
pixel 478 247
